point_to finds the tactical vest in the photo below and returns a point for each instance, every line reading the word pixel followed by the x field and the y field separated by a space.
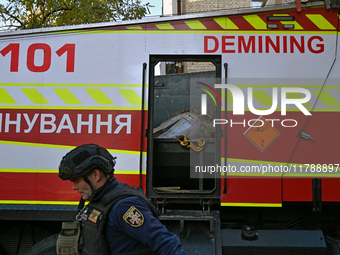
pixel 94 220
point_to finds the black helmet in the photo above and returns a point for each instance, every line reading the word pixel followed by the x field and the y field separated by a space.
pixel 82 160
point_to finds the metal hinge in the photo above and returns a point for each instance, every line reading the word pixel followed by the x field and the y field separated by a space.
pixel 206 203
pixel 161 203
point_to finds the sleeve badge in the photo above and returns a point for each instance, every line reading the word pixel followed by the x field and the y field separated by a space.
pixel 134 217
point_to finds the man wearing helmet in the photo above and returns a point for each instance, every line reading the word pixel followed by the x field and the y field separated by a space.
pixel 119 219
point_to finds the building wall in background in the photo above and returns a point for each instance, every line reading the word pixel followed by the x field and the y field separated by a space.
pixel 192 6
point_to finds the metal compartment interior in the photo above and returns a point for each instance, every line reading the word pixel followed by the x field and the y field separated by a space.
pixel 172 113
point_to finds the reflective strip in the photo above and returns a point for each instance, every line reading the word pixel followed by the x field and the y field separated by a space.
pixel 256 21
pixel 195 24
pixel 35 96
pixel 320 21
pixel 5 98
pixel 165 26
pixel 68 85
pixel 38 145
pixel 317 175
pixel 327 101
pixel 230 109
pixel 326 98
pixel 55 171
pixel 54 96
pixel 30 202
pixel 134 27
pixel 99 96
pixel 252 204
pixel 197 31
pixel 67 96
pixel 34 171
pixel 128 172
pixel 256 161
pixel 226 23
pixel 65 147
pixel 263 97
pixel 285 175
pixel 112 108
pixel 257 174
pixel 131 96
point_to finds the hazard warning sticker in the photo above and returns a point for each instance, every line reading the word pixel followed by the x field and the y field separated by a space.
pixel 262 134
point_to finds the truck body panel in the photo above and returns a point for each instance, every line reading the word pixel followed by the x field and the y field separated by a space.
pixel 116 84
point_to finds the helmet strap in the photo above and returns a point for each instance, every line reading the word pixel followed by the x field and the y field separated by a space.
pixel 94 192
pixel 81 204
pixel 90 184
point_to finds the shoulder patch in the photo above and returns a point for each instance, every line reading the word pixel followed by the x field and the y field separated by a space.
pixel 134 217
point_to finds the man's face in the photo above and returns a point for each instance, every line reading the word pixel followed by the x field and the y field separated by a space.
pixel 82 187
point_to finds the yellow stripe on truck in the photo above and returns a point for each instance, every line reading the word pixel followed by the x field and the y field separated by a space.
pixel 35 96
pixel 5 97
pixel 55 171
pixel 67 96
pixel 64 147
pixel 320 21
pixel 131 96
pixel 195 24
pixel 226 23
pixel 31 202
pixel 54 96
pixel 165 26
pixel 99 96
pixel 326 98
pixel 256 21
pixel 252 204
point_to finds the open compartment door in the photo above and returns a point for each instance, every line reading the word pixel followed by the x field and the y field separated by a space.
pixel 180 137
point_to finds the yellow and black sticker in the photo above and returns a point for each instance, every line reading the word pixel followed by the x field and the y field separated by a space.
pixel 134 217
pixel 94 215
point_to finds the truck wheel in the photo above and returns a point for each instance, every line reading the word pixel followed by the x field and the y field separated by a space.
pixel 45 247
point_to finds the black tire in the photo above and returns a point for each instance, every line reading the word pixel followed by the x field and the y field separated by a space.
pixel 45 247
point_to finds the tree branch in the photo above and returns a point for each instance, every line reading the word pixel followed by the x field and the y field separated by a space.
pixel 12 16
pixel 54 11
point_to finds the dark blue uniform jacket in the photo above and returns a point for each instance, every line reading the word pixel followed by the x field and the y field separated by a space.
pixel 131 226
